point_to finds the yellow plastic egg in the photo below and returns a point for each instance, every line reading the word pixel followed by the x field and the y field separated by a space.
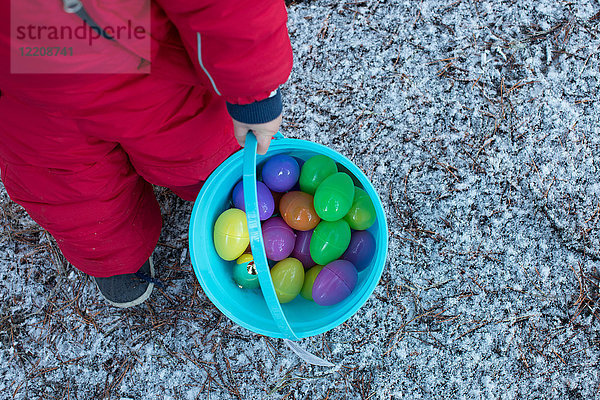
pixel 231 234
pixel 288 277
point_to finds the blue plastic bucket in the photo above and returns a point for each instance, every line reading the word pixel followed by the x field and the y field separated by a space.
pixel 258 310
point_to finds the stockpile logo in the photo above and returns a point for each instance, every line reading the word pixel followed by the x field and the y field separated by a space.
pixel 50 37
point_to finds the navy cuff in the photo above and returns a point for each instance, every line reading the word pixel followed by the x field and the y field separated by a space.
pixel 258 112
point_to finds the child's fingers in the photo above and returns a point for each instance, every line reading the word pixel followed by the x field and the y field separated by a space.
pixel 263 132
pixel 264 140
pixel 240 133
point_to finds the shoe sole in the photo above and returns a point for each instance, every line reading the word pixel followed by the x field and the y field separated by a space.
pixel 140 299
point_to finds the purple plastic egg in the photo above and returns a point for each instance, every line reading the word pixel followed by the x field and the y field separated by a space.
pixel 334 283
pixel 361 249
pixel 266 204
pixel 279 239
pixel 302 248
pixel 280 173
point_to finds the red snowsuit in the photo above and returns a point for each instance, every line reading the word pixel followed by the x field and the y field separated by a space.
pixel 80 151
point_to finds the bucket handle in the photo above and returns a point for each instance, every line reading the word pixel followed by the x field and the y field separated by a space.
pixel 256 239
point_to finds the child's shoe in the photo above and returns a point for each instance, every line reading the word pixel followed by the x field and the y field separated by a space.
pixel 128 290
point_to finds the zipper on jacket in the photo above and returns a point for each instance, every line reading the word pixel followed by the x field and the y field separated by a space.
pixel 72 6
pixel 76 7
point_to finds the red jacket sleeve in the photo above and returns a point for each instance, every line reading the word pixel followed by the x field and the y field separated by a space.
pixel 241 48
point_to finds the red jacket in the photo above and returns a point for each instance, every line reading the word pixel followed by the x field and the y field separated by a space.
pixel 240 49
pixel 79 149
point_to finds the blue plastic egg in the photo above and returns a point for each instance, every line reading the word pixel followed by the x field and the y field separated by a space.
pixel 280 173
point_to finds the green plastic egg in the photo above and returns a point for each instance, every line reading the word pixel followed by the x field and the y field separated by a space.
pixel 314 171
pixel 334 196
pixel 362 213
pixel 244 272
pixel 309 280
pixel 288 278
pixel 231 234
pixel 329 241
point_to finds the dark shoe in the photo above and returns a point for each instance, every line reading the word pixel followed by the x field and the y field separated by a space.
pixel 128 290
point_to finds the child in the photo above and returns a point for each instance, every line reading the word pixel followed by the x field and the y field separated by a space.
pixel 80 150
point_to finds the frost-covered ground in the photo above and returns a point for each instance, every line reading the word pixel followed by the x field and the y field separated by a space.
pixel 478 123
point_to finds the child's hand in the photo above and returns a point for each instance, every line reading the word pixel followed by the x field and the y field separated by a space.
pixel 263 132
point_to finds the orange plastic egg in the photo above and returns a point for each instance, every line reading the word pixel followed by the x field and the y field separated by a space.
pixel 298 211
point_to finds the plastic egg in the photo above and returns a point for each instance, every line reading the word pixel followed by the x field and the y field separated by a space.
pixel 280 173
pixel 309 281
pixel 329 241
pixel 334 196
pixel 244 272
pixel 362 213
pixel 302 248
pixel 361 249
pixel 288 277
pixel 298 211
pixel 266 204
pixel 314 171
pixel 334 283
pixel 231 234
pixel 279 239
